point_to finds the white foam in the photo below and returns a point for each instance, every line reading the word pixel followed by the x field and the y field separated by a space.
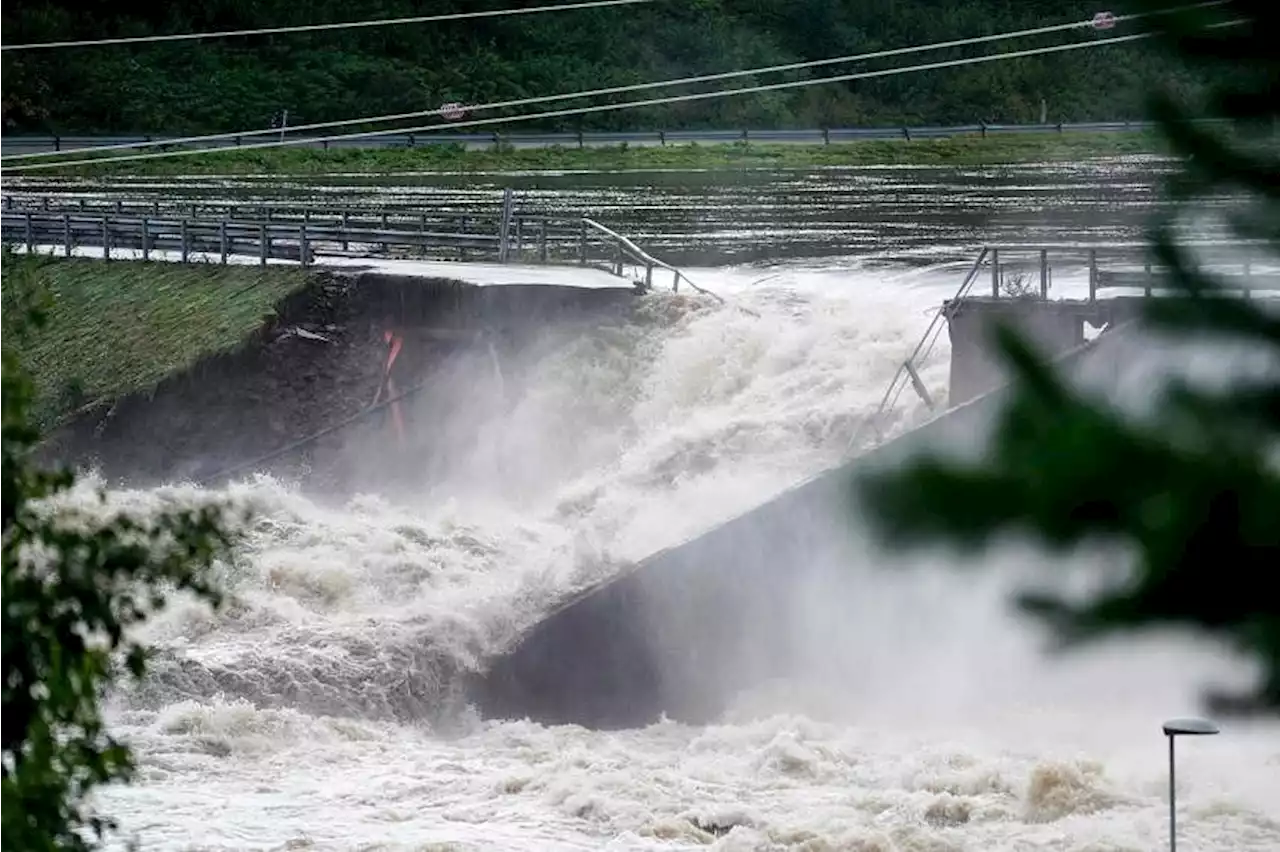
pixel 312 711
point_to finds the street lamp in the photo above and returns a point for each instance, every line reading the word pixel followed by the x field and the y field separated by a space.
pixel 1173 729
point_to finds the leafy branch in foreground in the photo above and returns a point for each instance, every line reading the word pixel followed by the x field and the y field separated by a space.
pixel 73 585
pixel 1195 490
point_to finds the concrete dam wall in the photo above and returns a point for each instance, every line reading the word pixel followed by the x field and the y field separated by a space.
pixel 691 627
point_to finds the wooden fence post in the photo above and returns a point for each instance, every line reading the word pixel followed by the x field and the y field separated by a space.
pixel 66 232
pixel 1044 274
pixel 30 234
pixel 222 240
pixel 995 273
pixel 264 244
pixel 186 247
pixel 304 246
pixel 146 241
pixel 106 239
pixel 1093 275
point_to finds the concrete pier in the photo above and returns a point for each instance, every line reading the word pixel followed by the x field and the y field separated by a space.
pixel 1051 327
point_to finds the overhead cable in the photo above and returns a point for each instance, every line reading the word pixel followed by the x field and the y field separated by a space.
pixel 339 25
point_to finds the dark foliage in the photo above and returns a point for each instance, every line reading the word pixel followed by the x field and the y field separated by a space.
pixel 241 83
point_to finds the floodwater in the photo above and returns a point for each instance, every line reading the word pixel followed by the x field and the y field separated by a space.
pixel 317 712
pixel 720 217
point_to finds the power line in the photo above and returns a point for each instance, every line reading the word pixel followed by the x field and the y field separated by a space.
pixel 344 25
pixel 613 90
pixel 840 78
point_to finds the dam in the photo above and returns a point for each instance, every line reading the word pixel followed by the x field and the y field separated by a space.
pixel 318 398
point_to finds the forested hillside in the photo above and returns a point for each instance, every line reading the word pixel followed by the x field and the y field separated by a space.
pixel 242 83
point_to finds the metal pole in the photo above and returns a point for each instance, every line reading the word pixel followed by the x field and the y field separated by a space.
pixel 1173 797
pixel 1174 728
pixel 504 226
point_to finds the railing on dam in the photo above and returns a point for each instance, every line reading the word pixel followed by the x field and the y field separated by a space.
pixel 216 231
pixel 1024 271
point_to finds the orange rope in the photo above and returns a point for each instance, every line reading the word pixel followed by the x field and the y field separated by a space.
pixel 394 342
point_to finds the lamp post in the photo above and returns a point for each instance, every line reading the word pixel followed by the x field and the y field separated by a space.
pixel 1173 729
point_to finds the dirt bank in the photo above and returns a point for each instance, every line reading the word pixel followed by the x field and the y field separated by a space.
pixel 323 361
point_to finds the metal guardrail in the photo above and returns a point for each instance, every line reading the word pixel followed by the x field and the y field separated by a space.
pixel 300 237
pixel 208 240
pixel 16 145
pixel 1232 260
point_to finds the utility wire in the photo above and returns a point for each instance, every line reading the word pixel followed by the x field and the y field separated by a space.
pixel 697 96
pixel 613 90
pixel 343 25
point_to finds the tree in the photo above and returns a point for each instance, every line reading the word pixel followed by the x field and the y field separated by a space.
pixel 1196 491
pixel 72 588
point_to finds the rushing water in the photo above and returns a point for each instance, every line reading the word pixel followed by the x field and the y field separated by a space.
pixel 315 712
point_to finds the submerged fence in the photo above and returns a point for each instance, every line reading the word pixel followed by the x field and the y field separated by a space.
pixel 16 145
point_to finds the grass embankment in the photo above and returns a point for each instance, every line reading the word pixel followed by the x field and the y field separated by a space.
pixel 956 150
pixel 114 328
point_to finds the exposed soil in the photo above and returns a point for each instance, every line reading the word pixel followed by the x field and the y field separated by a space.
pixel 321 365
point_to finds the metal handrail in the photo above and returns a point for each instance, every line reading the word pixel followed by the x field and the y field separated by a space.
pixel 907 368
pixel 649 260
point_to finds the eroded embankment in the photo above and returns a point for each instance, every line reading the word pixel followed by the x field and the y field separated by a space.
pixel 334 350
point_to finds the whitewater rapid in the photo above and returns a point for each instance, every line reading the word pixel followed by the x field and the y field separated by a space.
pixel 317 711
